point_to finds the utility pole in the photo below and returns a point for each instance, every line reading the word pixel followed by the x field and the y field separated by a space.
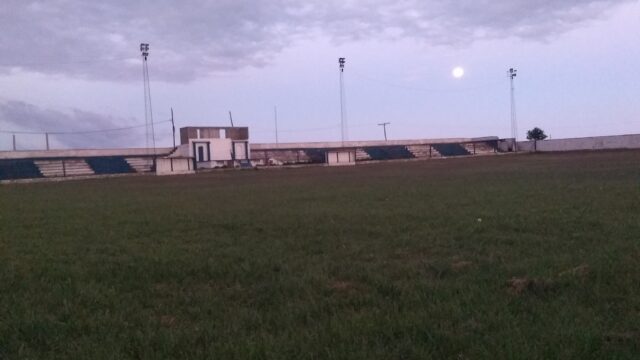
pixel 46 137
pixel 514 125
pixel 14 142
pixel 275 113
pixel 148 112
pixel 343 111
pixel 230 118
pixel 173 128
pixel 384 126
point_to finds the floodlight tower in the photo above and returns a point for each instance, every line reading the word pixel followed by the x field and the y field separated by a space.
pixel 148 113
pixel 514 125
pixel 343 110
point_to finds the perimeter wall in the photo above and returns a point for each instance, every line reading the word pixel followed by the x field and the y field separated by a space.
pixel 586 143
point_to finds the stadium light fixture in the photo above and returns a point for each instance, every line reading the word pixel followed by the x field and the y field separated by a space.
pixel 512 73
pixel 343 121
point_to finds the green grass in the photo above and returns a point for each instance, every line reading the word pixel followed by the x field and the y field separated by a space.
pixel 404 260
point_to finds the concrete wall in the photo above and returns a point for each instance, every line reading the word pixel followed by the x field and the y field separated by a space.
pixel 213 132
pixel 341 157
pixel 221 149
pixel 587 143
pixel 506 145
pixel 81 153
pixel 171 166
pixel 356 144
pixel 526 145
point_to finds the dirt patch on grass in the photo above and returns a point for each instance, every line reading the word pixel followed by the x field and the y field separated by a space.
pixel 578 271
pixel 461 265
pixel 168 320
pixel 520 286
pixel 342 286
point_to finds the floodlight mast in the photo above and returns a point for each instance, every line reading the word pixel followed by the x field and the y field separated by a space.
pixel 275 117
pixel 148 112
pixel 343 111
pixel 514 125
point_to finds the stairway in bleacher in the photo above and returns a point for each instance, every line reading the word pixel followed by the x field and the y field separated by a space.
pixel 140 164
pixel 451 149
pixel 109 165
pixel 388 153
pixel 77 167
pixel 362 155
pixel 18 169
pixel 51 168
pixel 423 151
pixel 61 168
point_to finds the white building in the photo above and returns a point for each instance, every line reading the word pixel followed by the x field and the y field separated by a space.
pixel 207 148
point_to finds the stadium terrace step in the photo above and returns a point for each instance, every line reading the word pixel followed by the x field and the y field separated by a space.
pixel 423 151
pixel 286 157
pixel 315 155
pixel 388 152
pixel 140 165
pixel 451 149
pixel 18 169
pixel 77 167
pixel 362 155
pixel 51 168
pixel 282 157
pixel 481 148
pixel 109 165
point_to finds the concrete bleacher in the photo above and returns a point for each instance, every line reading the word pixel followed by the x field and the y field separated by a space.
pixel 18 169
pixel 308 152
pixel 30 164
pixel 77 167
pixel 285 156
pixel 140 164
pixel 315 155
pixel 447 150
pixel 388 152
pixel 51 168
pixel 362 155
pixel 109 165
pixel 481 148
pixel 423 151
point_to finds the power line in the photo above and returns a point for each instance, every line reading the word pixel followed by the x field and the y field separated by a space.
pixel 71 62
pixel 416 88
pixel 384 126
pixel 78 132
pixel 312 129
pixel 264 131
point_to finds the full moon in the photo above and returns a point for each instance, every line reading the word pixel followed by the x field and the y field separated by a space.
pixel 457 72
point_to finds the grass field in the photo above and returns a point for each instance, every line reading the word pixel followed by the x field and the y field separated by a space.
pixel 531 256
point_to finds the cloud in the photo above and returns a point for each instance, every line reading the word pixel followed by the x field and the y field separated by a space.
pixel 191 38
pixel 77 125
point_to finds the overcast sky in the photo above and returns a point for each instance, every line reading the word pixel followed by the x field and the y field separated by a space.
pixel 74 65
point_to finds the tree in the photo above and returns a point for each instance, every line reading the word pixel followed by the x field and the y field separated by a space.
pixel 536 134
